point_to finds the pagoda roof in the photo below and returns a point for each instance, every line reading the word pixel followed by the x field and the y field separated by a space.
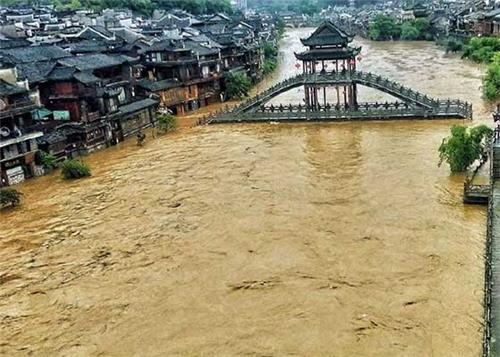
pixel 325 54
pixel 327 34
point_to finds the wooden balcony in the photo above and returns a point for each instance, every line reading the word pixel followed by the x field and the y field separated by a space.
pixel 93 116
pixel 81 93
pixel 18 108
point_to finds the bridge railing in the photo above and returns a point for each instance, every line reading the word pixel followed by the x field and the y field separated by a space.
pixel 376 81
pixel 374 113
pixel 488 272
pixel 329 107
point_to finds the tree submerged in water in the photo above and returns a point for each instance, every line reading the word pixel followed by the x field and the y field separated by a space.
pixel 166 122
pixel 238 86
pixel 74 169
pixel 9 197
pixel 464 146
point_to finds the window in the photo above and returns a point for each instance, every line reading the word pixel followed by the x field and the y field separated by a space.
pixel 121 96
pixel 112 105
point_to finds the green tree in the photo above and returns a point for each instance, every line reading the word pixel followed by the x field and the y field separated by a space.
pixel 481 49
pixel 491 81
pixel 74 169
pixel 165 122
pixel 48 161
pixel 270 58
pixel 424 28
pixel 270 50
pixel 269 66
pixel 384 28
pixel 464 146
pixel 409 32
pixel 196 7
pixel 453 45
pixel 238 85
pixel 280 26
pixel 9 197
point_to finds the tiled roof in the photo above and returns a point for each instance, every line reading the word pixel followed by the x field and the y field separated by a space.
pixel 51 138
pixel 328 54
pixel 327 34
pixel 137 106
pixel 200 49
pixel 34 53
pixel 92 61
pixel 158 85
pixel 87 46
pixel 86 77
pixel 11 43
pixel 35 72
pixel 7 89
pixel 61 73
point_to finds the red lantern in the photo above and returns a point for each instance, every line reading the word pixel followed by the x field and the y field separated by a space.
pixel 360 58
pixel 297 65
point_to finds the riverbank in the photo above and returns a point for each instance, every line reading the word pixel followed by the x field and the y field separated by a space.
pixel 257 239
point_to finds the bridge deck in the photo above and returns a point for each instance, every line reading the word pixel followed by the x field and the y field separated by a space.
pixel 336 115
pixel 477 186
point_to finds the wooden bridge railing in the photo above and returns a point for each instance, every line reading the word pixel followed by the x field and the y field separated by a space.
pixel 363 78
pixel 488 274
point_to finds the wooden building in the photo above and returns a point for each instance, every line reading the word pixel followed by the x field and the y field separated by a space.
pixel 18 143
pixel 96 93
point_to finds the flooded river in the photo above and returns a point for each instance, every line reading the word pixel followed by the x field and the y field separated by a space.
pixel 257 240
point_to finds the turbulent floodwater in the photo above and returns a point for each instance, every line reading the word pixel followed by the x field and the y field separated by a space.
pixel 257 240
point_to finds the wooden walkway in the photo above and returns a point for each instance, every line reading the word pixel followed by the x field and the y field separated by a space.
pixel 491 344
pixel 477 186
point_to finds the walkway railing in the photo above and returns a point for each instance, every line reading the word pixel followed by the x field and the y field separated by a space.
pixel 488 274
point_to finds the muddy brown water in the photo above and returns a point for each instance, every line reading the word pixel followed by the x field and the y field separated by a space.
pixel 257 240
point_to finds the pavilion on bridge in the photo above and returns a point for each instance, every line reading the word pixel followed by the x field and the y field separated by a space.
pixel 329 51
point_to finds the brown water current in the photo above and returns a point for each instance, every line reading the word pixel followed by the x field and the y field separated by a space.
pixel 258 240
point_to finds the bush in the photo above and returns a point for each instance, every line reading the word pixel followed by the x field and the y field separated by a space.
pixel 238 85
pixel 165 122
pixel 270 50
pixel 491 81
pixel 481 49
pixel 74 169
pixel 269 66
pixel 49 161
pixel 453 45
pixel 409 32
pixel 384 28
pixel 464 146
pixel 9 197
pixel 270 58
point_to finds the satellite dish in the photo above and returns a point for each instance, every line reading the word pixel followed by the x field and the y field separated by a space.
pixel 3 105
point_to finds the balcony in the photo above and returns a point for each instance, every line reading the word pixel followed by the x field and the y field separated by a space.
pixel 202 78
pixel 93 116
pixel 81 93
pixel 207 92
pixel 15 152
pixel 117 80
pixel 18 108
pixel 172 99
pixel 181 61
